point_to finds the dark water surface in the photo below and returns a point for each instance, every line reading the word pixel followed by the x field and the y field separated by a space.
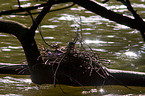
pixel 121 45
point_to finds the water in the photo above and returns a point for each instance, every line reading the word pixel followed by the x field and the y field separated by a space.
pixel 121 45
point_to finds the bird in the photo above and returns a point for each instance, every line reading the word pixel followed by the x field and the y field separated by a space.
pixel 71 47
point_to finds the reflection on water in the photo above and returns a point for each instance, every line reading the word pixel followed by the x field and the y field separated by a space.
pixel 76 19
pixel 23 5
pixel 9 48
pixel 91 91
pixel 22 86
pixel 97 42
pixel 128 55
pixel 119 26
pixel 49 26
pixel 131 54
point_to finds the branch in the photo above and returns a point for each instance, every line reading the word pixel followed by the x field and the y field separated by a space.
pixel 49 11
pixel 20 9
pixel 19 3
pixel 136 16
pixel 6 12
pixel 41 15
pixel 13 28
pixel 129 78
pixel 102 11
pixel 26 38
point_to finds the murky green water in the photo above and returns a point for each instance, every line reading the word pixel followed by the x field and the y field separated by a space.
pixel 121 45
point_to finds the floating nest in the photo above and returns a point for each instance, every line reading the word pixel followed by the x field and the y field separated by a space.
pixel 74 57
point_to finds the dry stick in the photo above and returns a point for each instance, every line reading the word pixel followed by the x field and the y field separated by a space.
pixel 39 28
pixel 57 69
pixel 81 36
pixel 19 3
pixel 100 67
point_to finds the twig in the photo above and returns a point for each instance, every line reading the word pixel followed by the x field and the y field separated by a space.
pixel 57 69
pixel 19 3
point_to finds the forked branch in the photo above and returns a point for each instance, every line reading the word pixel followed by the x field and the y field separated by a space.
pixel 136 16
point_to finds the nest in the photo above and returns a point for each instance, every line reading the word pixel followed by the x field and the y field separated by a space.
pixel 76 55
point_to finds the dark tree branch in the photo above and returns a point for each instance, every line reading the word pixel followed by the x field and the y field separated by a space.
pixel 128 78
pixel 136 16
pixel 7 12
pixel 20 9
pixel 54 10
pixel 24 35
pixel 102 11
pixel 41 15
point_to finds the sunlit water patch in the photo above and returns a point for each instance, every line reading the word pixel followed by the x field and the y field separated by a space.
pixel 128 54
pixel 94 91
pixel 110 36
pixel 99 50
pixel 2 35
pixel 24 5
pixel 24 0
pixel 9 48
pixel 135 5
pixel 77 9
pixel 49 38
pixel 142 51
pixel 82 19
pixel 119 26
pixel 5 49
pixel 9 79
pixel 97 42
pixel 116 7
pixel 77 26
pixel 14 47
pixel 49 26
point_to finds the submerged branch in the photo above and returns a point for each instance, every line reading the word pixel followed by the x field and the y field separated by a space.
pixel 129 78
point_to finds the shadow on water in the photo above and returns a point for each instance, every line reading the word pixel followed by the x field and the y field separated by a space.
pixel 122 46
